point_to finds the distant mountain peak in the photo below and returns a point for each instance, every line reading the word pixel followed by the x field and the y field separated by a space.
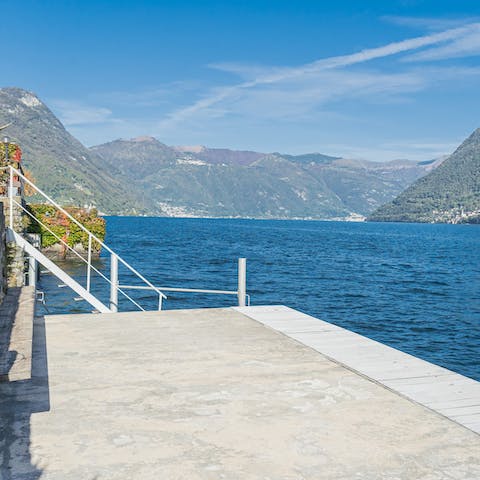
pixel 15 91
pixel 21 107
pixel 29 99
pixel 476 133
pixel 144 138
pixel 473 139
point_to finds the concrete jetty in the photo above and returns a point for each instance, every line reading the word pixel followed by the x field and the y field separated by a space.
pixel 453 395
pixel 222 394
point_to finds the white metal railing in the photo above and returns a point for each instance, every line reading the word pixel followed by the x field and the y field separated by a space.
pixel 115 287
pixel 114 258
pixel 241 292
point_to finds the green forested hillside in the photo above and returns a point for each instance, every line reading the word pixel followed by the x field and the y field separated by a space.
pixel 450 193
pixel 60 164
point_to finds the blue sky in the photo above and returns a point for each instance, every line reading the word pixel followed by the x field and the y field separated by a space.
pixel 365 79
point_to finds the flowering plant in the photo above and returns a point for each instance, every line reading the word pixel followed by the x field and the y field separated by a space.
pixel 64 228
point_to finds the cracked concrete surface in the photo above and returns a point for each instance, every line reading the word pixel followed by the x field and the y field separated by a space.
pixel 211 394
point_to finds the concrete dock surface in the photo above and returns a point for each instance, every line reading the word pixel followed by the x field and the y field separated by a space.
pixel 449 393
pixel 211 394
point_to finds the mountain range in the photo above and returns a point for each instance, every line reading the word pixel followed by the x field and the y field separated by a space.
pixel 201 181
pixel 145 176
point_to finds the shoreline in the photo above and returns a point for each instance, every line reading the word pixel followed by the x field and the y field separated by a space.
pixel 287 219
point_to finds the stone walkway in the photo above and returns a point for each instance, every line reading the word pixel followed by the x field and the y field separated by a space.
pixel 211 394
pixel 16 328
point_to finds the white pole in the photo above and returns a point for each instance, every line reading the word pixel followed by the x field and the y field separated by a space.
pixel 242 281
pixel 10 194
pixel 114 283
pixel 32 271
pixel 89 261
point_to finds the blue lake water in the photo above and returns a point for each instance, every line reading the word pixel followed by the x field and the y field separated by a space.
pixel 414 287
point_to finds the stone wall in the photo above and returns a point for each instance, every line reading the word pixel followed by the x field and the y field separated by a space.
pixel 3 256
pixel 14 255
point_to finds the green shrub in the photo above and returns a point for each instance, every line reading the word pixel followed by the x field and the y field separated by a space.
pixel 62 227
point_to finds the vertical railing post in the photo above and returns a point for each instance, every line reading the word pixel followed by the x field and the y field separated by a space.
pixel 114 283
pixel 159 302
pixel 89 261
pixel 32 271
pixel 10 195
pixel 242 281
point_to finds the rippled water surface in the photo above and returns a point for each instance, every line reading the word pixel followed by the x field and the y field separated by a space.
pixel 414 287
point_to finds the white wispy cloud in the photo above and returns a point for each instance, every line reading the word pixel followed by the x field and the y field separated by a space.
pixel 76 113
pixel 385 151
pixel 162 94
pixel 302 97
pixel 245 70
pixel 465 45
pixel 429 23
pixel 297 77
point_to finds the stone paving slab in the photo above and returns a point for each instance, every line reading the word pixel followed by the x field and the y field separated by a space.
pixel 16 330
pixel 449 393
pixel 211 394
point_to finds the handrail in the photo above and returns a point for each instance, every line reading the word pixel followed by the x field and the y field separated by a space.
pixel 133 270
pixel 188 290
pixel 79 256
pixel 175 289
pixel 114 286
pixel 241 291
